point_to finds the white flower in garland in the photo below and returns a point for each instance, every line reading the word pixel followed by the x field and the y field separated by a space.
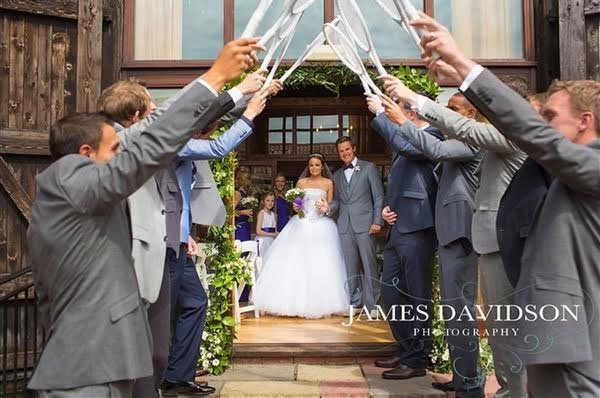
pixel 215 362
pixel 205 364
pixel 204 335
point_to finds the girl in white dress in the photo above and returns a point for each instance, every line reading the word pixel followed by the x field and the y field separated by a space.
pixel 266 223
pixel 303 272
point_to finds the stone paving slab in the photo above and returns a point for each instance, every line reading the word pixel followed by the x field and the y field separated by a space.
pixel 218 385
pixel 417 387
pixel 344 389
pixel 329 373
pixel 268 389
pixel 257 373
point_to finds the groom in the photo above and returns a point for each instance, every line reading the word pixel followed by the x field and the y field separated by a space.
pixel 359 200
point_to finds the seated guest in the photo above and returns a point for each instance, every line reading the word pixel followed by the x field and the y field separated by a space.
pixel 560 258
pixel 282 206
pixel 80 243
pixel 242 214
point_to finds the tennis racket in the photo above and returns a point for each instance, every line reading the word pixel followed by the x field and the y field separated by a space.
pixel 358 29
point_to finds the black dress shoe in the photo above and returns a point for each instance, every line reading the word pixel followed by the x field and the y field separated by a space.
pixel 443 386
pixel 403 372
pixel 388 363
pixel 172 389
pixel 202 372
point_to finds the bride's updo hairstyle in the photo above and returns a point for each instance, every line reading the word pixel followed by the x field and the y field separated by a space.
pixel 321 158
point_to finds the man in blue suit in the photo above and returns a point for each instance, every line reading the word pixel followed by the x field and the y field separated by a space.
pixel 407 258
pixel 189 302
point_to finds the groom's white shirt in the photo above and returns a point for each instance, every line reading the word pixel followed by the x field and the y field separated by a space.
pixel 348 172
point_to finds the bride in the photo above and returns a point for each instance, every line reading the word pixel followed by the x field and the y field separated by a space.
pixel 303 272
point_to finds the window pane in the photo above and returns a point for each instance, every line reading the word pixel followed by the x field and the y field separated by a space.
pixel 303 137
pixel 303 122
pixel 484 28
pixel 308 27
pixel 276 123
pixel 178 29
pixel 325 136
pixel 391 41
pixel 326 122
pixel 275 138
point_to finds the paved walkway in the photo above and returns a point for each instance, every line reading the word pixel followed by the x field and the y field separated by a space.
pixel 325 381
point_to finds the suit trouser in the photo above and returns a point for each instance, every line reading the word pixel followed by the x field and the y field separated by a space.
pixel 117 389
pixel 159 318
pixel 560 381
pixel 458 290
pixel 510 372
pixel 189 304
pixel 359 248
pixel 406 280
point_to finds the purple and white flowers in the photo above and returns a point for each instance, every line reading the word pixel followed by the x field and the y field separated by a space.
pixel 296 196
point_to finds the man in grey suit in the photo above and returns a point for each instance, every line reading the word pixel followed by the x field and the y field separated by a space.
pixel 156 207
pixel 358 200
pixel 454 208
pixel 501 161
pixel 80 243
pixel 560 259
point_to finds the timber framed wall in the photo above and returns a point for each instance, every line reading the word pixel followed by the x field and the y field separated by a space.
pixel 51 65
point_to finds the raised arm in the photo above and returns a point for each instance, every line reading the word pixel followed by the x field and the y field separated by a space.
pixel 389 131
pixel 482 135
pixel 436 149
pixel 201 149
pixel 95 187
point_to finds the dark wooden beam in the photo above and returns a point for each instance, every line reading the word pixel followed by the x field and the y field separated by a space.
pixel 89 54
pixel 24 142
pixel 17 193
pixel 68 9
pixel 571 25
pixel 112 46
pixel 547 52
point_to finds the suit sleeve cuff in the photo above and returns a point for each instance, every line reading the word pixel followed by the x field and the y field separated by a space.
pixel 247 121
pixel 236 94
pixel 205 84
pixel 473 74
pixel 421 103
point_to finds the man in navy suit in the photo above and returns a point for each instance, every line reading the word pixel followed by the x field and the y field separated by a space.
pixel 407 258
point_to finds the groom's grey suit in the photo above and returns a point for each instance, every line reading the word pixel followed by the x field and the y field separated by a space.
pixel 359 204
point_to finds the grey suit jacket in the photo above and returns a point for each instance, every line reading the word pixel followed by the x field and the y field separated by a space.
pixel 358 203
pixel 90 305
pixel 501 161
pixel 148 209
pixel 560 260
pixel 206 205
pixel 454 203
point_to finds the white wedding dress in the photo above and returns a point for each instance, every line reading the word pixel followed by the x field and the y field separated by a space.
pixel 303 272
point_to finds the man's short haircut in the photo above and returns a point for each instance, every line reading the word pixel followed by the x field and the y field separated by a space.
pixel 71 132
pixel 123 99
pixel 540 98
pixel 584 96
pixel 343 139
pixel 517 84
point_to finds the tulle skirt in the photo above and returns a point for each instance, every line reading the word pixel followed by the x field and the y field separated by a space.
pixel 303 273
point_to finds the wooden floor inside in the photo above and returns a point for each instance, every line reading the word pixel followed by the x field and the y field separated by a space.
pixel 273 329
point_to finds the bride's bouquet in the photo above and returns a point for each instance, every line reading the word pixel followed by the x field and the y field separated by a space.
pixel 296 196
pixel 250 203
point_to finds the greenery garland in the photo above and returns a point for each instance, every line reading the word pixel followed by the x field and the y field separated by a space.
pixel 228 267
